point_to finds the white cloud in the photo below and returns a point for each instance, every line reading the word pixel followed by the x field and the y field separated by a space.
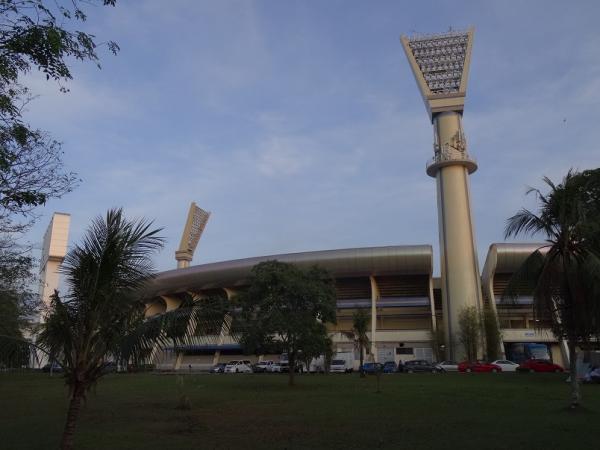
pixel 282 156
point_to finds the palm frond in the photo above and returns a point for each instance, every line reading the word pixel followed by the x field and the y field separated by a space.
pixel 16 352
pixel 524 279
pixel 192 324
pixel 526 222
pixel 103 274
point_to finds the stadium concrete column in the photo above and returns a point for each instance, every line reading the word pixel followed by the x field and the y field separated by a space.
pixel 191 327
pixel 374 298
pixel 170 303
pixel 433 318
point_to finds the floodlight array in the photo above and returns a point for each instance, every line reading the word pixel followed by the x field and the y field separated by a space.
pixel 441 59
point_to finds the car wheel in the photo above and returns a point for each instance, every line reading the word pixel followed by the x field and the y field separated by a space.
pixel 468 369
pixel 237 370
pixel 494 370
pixel 531 371
pixel 557 370
pixel 409 371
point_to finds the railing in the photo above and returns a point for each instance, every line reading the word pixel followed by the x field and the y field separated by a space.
pixel 444 158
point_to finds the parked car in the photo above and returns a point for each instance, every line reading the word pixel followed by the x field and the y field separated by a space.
pixel 448 366
pixel 420 365
pixel 372 367
pixel 389 367
pixel 478 366
pixel 506 365
pixel 218 368
pixel 275 367
pixel 238 367
pixel 284 367
pixel 263 366
pixel 539 365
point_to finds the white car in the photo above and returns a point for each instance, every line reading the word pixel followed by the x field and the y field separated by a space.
pixel 448 366
pixel 506 365
pixel 275 368
pixel 264 366
pixel 238 367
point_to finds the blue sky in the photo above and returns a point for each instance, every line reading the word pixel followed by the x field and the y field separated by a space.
pixel 298 124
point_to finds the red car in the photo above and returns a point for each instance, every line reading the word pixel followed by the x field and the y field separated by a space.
pixel 539 365
pixel 478 366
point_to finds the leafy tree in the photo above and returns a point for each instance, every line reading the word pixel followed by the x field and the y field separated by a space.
pixel 286 309
pixel 360 328
pixel 18 303
pixel 314 347
pixel 469 331
pixel 34 34
pixel 564 274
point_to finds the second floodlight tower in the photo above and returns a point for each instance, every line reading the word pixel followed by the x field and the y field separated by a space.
pixel 440 64
pixel 194 227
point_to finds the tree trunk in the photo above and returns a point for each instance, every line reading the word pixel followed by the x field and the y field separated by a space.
pixel 292 367
pixel 72 416
pixel 362 358
pixel 575 391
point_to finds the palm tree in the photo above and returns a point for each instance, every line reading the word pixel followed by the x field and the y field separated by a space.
pixel 360 327
pixel 101 317
pixel 564 274
pixel 87 325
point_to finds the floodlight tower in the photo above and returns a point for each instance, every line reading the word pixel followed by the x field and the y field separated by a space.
pixel 440 64
pixel 194 227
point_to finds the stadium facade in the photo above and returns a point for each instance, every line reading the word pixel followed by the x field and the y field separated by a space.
pixel 394 284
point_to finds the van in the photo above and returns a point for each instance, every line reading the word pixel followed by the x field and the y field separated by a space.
pixel 342 362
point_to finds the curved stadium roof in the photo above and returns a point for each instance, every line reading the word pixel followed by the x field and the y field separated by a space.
pixel 351 262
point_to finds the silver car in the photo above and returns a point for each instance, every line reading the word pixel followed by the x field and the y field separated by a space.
pixel 448 366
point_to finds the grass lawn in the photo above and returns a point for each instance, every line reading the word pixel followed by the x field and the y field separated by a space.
pixel 413 411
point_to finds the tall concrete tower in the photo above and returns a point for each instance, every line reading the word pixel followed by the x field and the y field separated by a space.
pixel 54 249
pixel 440 64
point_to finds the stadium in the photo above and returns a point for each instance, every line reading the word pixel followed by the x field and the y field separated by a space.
pixel 394 284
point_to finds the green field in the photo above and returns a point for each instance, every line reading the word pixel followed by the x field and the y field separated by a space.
pixel 413 411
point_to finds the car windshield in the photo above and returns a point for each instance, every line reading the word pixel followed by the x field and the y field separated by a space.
pixel 338 362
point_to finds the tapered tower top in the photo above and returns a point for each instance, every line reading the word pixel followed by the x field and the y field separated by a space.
pixel 194 226
pixel 440 64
